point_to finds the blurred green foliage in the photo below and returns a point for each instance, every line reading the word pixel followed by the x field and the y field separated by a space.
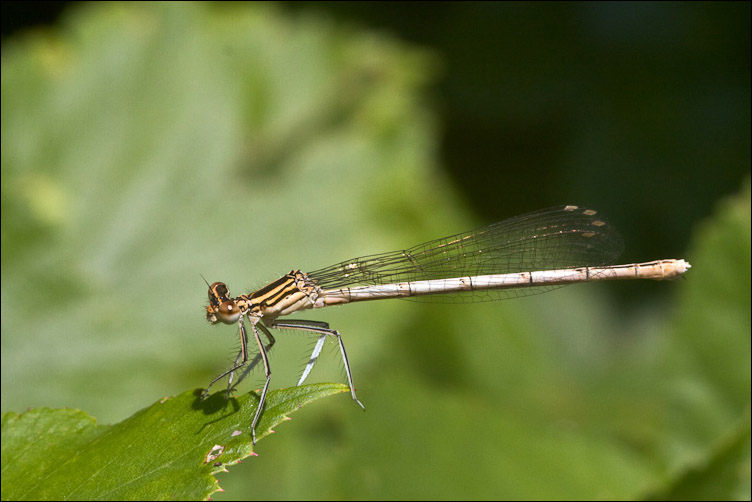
pixel 145 144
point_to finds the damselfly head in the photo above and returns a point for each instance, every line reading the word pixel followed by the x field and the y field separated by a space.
pixel 221 307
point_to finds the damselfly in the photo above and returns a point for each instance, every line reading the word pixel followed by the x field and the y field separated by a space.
pixel 525 255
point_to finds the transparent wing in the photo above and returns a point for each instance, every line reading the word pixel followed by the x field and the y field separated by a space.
pixel 556 238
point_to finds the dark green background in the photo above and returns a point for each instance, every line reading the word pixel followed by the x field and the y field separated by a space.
pixel 641 106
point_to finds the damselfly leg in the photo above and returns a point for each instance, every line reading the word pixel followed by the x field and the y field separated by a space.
pixel 322 329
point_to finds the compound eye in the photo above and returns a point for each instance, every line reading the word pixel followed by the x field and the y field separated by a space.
pixel 218 291
pixel 228 312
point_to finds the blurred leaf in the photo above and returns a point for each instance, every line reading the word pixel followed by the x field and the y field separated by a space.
pixel 146 145
pixel 170 450
pixel 724 474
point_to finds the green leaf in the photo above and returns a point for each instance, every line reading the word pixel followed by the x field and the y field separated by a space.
pixel 169 450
